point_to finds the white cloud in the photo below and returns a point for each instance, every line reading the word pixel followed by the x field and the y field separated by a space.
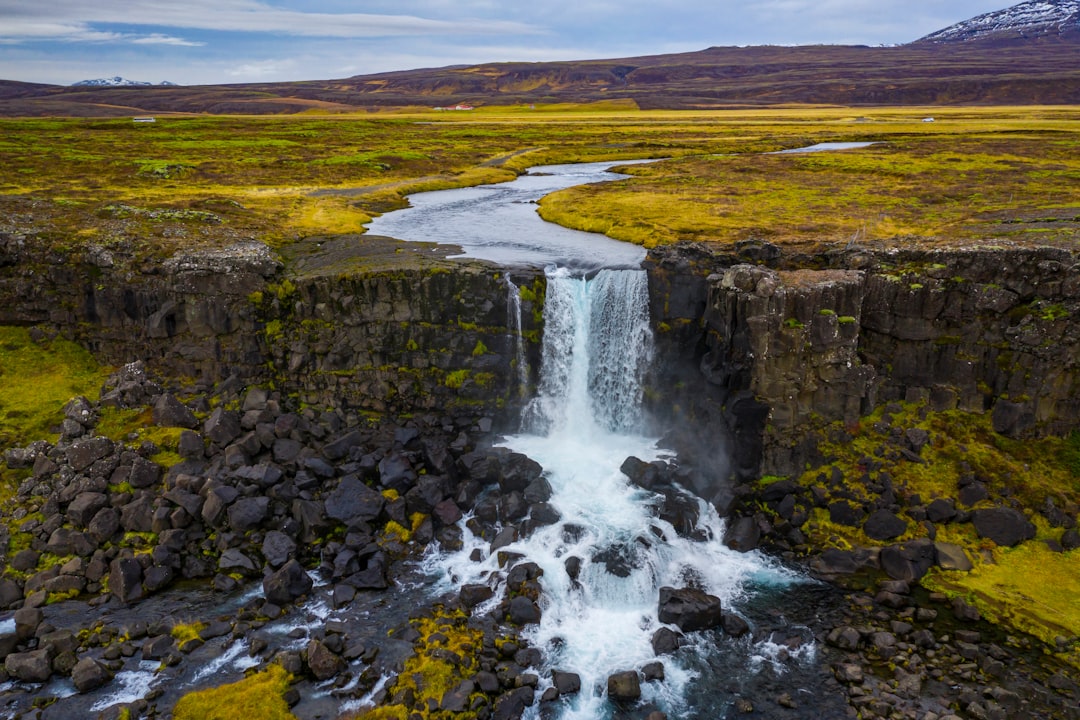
pixel 159 39
pixel 34 20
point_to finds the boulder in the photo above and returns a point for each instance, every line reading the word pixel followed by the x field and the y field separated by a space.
pixel 473 595
pixel 456 700
pixel 908 561
pixel 1005 526
pixel 884 525
pixel 941 510
pixel 85 505
pixel 665 641
pixel 689 609
pixel 354 502
pixel 170 412
pixel 524 611
pixel 952 557
pixel 32 667
pixel 742 535
pixel 567 683
pixel 277 548
pixel 624 686
pixel 125 579
pixel 88 674
pixel 143 473
pixel 222 427
pixel 287 584
pixel 323 663
pixel 511 705
pixel 248 513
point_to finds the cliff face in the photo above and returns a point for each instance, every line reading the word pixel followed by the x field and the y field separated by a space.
pixel 757 353
pixel 788 351
pixel 386 329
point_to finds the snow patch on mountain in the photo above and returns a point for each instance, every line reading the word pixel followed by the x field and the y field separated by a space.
pixel 1028 19
pixel 116 82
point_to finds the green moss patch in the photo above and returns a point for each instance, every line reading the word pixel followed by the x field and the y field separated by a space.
pixel 38 379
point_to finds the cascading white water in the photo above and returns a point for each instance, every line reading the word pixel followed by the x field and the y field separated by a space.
pixel 581 426
pixel 513 312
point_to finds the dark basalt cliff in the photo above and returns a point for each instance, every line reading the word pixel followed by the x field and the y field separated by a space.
pixel 781 351
pixel 757 352
pixel 376 325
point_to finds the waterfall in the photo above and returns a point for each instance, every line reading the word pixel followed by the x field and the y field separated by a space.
pixel 584 421
pixel 597 346
pixel 513 312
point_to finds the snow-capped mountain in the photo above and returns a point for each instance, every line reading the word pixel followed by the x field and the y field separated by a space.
pixel 1027 20
pixel 116 82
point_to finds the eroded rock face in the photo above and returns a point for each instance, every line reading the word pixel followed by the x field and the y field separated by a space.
pixel 788 350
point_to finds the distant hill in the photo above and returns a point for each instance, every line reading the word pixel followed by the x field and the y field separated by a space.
pixel 1026 54
pixel 1048 19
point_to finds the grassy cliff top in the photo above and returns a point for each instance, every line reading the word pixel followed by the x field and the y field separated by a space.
pixel 971 175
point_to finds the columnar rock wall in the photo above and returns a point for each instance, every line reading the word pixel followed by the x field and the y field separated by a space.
pixel 416 336
pixel 782 352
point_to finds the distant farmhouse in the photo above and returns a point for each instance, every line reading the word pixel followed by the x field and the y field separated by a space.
pixel 456 107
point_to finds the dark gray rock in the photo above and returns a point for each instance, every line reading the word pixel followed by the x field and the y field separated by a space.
pixel 567 683
pixel 125 580
pixel 473 595
pixel 524 611
pixel 842 512
pixel 884 525
pixel 144 473
pixel 34 666
pixel 354 502
pixel 222 427
pixel 277 548
pixel 287 584
pixel 511 705
pixel 248 513
pixel 734 625
pixel 665 641
pixel 941 510
pixel 1005 526
pixel 743 534
pixel 339 448
pixel 624 686
pixel 85 505
pixel 456 700
pixel 83 453
pixel 909 561
pixel 323 663
pixel 88 674
pixel 170 412
pixel 689 609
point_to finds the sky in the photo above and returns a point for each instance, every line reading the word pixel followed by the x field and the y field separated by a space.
pixel 194 42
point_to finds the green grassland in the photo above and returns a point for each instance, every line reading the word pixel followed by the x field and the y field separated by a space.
pixel 1007 173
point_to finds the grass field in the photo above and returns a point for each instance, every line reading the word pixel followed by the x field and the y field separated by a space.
pixel 972 174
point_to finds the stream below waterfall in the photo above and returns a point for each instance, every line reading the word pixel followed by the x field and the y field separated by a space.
pixel 606 559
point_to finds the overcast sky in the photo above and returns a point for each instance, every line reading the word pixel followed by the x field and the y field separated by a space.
pixel 232 41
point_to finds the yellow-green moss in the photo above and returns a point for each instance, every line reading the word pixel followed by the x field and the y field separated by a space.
pixel 259 696
pixel 430 676
pixel 38 380
pixel 184 632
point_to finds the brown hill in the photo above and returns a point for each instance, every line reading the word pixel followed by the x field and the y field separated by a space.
pixel 1003 69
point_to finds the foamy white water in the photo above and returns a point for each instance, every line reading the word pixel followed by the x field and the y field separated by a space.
pixel 583 423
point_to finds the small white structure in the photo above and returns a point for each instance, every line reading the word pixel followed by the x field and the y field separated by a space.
pixel 928 119
pixel 143 119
